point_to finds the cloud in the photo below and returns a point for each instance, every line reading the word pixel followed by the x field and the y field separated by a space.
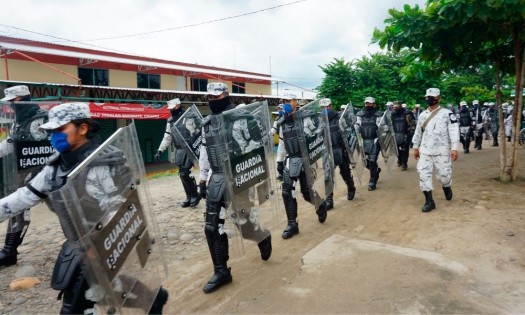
pixel 290 42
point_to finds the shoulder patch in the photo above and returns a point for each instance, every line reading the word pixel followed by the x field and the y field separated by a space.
pixel 453 118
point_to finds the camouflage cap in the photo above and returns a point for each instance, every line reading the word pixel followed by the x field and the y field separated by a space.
pixel 15 91
pixel 65 113
pixel 433 92
pixel 172 103
pixel 370 100
pixel 324 102
pixel 216 88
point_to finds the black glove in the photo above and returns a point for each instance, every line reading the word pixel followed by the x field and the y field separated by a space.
pixel 202 190
pixel 157 156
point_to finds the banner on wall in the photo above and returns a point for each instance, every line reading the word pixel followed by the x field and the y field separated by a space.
pixel 127 111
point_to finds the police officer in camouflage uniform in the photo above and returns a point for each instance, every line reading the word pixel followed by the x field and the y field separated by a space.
pixel 28 117
pixel 404 124
pixel 465 126
pixel 367 124
pixel 339 152
pixel 182 157
pixel 435 146
pixel 212 171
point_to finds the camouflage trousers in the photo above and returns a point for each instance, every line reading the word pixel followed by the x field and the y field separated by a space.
pixel 425 167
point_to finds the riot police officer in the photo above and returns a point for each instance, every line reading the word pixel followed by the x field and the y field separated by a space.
pixel 212 158
pixel 28 117
pixel 478 124
pixel 465 126
pixel 293 169
pixel 182 157
pixel 339 152
pixel 492 116
pixel 367 124
pixel 73 135
pixel 404 125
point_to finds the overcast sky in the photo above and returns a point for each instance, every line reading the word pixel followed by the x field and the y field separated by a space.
pixel 288 39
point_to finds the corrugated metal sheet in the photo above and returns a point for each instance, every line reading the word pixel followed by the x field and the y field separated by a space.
pixel 129 60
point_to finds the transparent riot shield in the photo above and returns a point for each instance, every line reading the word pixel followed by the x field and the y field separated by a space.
pixel 188 132
pixel 251 197
pixel 318 160
pixel 105 207
pixel 353 141
pixel 24 148
pixel 387 140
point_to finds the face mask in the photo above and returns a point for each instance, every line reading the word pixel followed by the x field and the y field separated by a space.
pixel 280 113
pixel 176 112
pixel 218 106
pixel 431 101
pixel 464 107
pixel 59 142
pixel 326 111
pixel 287 108
pixel 399 109
pixel 369 108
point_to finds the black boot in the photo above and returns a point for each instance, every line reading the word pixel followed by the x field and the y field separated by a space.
pixel 195 197
pixel 265 247
pixel 291 230
pixel 429 202
pixel 330 202
pixel 280 169
pixel 350 189
pixel 9 254
pixel 290 205
pixel 448 192
pixel 374 177
pixel 321 212
pixel 186 202
pixel 222 274
pixel 160 300
pixel 508 139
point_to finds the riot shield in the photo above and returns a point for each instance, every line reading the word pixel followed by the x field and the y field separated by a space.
pixel 353 141
pixel 251 197
pixel 105 207
pixel 387 140
pixel 316 148
pixel 24 148
pixel 187 132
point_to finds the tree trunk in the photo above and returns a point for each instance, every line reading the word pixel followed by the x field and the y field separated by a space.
pixel 518 107
pixel 503 175
pixel 518 63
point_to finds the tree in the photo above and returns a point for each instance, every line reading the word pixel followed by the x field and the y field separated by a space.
pixel 377 75
pixel 454 34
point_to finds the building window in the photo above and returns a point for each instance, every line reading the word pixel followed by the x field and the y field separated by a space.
pixel 238 87
pixel 90 76
pixel 199 85
pixel 148 81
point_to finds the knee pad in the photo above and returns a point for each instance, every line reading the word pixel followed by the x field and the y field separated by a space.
pixel 287 191
pixel 184 173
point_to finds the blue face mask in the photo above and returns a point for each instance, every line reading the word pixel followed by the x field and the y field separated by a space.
pixel 287 108
pixel 59 141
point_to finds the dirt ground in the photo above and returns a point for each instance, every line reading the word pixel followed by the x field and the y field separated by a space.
pixel 376 254
pixel 380 254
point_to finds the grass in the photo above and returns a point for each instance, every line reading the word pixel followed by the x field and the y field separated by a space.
pixel 160 174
